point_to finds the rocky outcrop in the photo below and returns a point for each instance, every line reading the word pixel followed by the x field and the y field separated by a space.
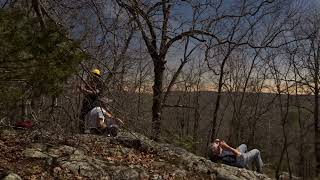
pixel 128 156
pixel 43 155
pixel 191 162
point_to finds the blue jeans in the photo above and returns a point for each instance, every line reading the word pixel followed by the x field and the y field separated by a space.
pixel 247 157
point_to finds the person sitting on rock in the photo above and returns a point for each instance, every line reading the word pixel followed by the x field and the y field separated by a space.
pixel 100 121
pixel 239 157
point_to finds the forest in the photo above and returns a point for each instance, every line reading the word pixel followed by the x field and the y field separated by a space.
pixel 184 72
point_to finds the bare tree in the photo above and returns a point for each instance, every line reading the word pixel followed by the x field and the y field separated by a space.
pixel 307 68
pixel 282 87
pixel 158 43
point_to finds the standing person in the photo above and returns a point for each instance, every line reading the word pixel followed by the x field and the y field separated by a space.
pixel 92 91
pixel 239 157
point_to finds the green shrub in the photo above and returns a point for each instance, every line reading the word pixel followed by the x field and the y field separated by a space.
pixel 34 61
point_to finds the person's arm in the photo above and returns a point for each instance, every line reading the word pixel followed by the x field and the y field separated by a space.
pixel 119 121
pixel 108 114
pixel 225 146
pixel 85 90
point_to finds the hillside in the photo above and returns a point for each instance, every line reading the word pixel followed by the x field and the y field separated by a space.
pixel 44 155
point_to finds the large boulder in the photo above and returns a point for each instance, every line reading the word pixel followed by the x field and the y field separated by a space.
pixel 191 161
pixel 129 156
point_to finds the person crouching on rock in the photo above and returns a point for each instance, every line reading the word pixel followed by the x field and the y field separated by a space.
pixel 100 121
pixel 239 157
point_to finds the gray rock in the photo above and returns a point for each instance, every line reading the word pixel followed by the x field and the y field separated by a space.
pixel 57 171
pixel 180 173
pixel 125 151
pixel 79 163
pixel 193 162
pixel 34 153
pixel 12 176
pixel 106 178
pixel 83 168
pixel 61 151
pixel 38 146
pixel 156 177
pixel 76 161
pixel 127 173
pixel 285 175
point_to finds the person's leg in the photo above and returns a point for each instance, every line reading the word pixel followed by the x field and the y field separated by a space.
pixel 242 148
pixel 255 156
pixel 113 130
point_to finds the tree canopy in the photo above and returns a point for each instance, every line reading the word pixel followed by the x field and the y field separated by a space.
pixel 34 60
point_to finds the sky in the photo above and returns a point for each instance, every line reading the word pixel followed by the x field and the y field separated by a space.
pixel 185 13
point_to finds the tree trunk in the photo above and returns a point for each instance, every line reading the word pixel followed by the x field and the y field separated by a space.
pixel 188 114
pixel 316 125
pixel 215 113
pixel 277 173
pixel 182 122
pixel 54 103
pixel 196 121
pixel 157 96
pixel 217 104
pixel 237 112
pixel 316 110
pixel 24 109
pixel 301 171
pixel 139 89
